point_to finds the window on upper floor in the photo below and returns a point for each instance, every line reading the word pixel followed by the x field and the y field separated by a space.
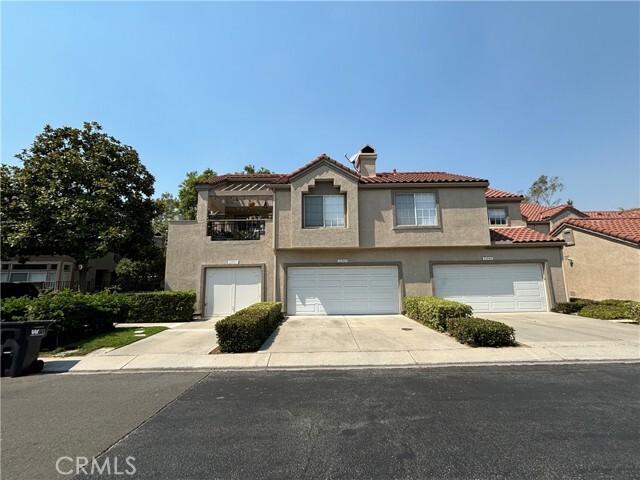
pixel 324 211
pixel 418 209
pixel 498 216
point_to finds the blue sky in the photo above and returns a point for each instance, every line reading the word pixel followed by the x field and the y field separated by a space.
pixel 505 91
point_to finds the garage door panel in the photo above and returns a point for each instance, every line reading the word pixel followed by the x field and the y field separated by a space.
pixel 342 290
pixel 357 283
pixel 498 305
pixel 382 283
pixel 327 297
pixel 492 288
pixel 228 290
pixel 530 306
pixel 359 296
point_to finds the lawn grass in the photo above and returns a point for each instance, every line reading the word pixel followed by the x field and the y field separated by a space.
pixel 114 339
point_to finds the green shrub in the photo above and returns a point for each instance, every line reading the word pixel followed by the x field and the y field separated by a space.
pixel 77 315
pixel 571 307
pixel 15 309
pixel 151 307
pixel 478 332
pixel 614 302
pixel 609 309
pixel 634 311
pixel 248 329
pixel 605 312
pixel 433 311
pixel 141 275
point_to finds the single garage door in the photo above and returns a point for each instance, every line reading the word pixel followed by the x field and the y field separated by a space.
pixel 228 290
pixel 492 288
pixel 342 290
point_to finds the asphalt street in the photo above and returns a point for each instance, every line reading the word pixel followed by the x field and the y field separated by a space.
pixel 47 417
pixel 552 421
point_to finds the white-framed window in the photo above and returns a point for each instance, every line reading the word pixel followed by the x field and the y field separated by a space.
pixel 29 272
pixel 29 277
pixel 323 211
pixel 498 216
pixel 418 209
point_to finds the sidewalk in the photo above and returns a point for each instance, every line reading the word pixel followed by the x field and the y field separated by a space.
pixel 187 347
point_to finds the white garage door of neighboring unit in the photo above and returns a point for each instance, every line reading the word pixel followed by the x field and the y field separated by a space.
pixel 228 290
pixel 342 290
pixel 492 288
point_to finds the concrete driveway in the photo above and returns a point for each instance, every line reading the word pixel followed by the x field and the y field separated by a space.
pixel 371 333
pixel 192 338
pixel 561 334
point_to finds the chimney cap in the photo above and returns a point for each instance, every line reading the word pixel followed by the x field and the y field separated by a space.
pixel 367 149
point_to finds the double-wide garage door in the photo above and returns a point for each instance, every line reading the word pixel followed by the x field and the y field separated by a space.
pixel 492 288
pixel 342 290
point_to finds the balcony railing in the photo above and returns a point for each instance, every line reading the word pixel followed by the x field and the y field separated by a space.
pixel 86 286
pixel 220 230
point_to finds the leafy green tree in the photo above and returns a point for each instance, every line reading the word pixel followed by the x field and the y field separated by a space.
pixel 79 192
pixel 188 195
pixel 141 275
pixel 167 209
pixel 251 169
pixel 543 191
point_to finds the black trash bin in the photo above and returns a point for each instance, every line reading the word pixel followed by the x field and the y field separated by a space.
pixel 21 345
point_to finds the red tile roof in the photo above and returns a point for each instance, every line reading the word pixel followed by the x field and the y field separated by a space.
pixel 493 193
pixel 539 213
pixel 520 235
pixel 531 211
pixel 323 157
pixel 419 177
pixel 623 228
pixel 382 177
pixel 242 176
pixel 633 213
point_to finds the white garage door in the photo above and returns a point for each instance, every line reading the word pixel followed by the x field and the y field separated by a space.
pixel 228 290
pixel 342 290
pixel 492 288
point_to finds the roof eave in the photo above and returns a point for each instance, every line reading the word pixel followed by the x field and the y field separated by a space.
pixel 607 236
pixel 326 161
pixel 504 199
pixel 527 244
pixel 452 183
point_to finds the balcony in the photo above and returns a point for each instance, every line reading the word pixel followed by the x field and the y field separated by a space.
pixel 233 230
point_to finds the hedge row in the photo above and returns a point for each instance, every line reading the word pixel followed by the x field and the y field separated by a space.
pixel 455 319
pixel 247 329
pixel 77 315
pixel 478 332
pixel 570 308
pixel 152 307
pixel 610 309
pixel 433 311
pixel 81 315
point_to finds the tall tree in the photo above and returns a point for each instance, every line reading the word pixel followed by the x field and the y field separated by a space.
pixel 251 169
pixel 543 191
pixel 188 195
pixel 79 192
pixel 166 209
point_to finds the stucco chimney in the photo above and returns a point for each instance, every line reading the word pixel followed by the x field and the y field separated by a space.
pixel 366 163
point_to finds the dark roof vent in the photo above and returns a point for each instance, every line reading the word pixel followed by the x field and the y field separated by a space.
pixel 367 149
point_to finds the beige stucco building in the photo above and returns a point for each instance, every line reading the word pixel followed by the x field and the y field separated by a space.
pixel 59 272
pixel 602 256
pixel 329 239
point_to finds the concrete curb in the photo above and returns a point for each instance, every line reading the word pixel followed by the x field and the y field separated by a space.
pixel 327 360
